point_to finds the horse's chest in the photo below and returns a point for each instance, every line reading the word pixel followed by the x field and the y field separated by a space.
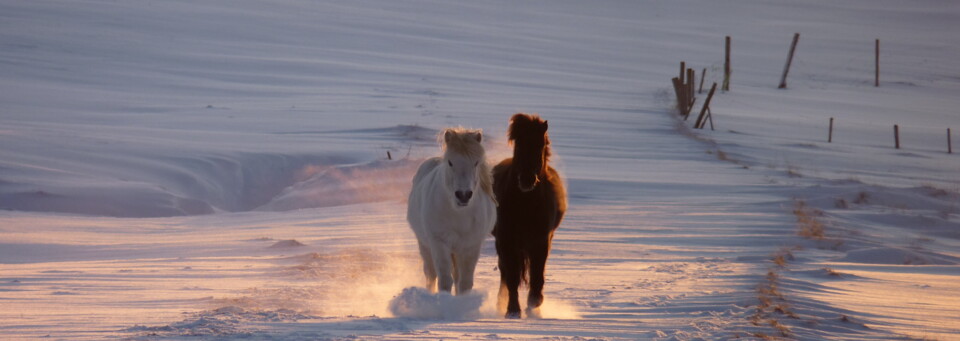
pixel 528 210
pixel 531 203
pixel 467 224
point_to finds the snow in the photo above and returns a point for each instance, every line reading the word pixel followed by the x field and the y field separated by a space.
pixel 219 170
pixel 419 303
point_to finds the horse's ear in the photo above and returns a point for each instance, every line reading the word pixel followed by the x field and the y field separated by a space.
pixel 479 136
pixel 545 125
pixel 447 135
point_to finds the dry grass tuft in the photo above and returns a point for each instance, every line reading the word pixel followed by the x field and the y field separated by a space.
pixel 784 309
pixel 784 331
pixel 809 226
pixel 841 203
pixel 862 198
pixel 722 156
pixel 763 336
pixel 832 272
pixel 779 261
pixel 771 305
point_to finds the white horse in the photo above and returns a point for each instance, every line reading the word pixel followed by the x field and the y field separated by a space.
pixel 452 209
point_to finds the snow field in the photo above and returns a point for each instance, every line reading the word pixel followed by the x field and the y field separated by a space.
pixel 217 171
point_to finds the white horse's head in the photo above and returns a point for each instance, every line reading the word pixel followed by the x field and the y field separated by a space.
pixel 466 166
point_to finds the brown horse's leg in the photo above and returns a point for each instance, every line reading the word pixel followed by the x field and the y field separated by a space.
pixel 513 295
pixel 510 261
pixel 502 297
pixel 538 262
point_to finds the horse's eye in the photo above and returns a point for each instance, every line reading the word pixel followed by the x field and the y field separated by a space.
pixel 450 163
pixel 476 163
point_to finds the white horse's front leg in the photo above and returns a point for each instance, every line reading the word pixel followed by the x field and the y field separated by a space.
pixel 443 264
pixel 466 264
pixel 428 270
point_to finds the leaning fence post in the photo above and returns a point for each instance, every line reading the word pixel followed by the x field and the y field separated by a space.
pixel 710 117
pixel 706 105
pixel 786 68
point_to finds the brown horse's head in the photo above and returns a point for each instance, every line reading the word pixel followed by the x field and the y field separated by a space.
pixel 531 149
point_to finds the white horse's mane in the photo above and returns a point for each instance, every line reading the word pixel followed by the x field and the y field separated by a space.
pixel 464 141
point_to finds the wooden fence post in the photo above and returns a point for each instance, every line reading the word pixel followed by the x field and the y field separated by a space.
pixel 949 145
pixel 683 94
pixel 830 135
pixel 679 90
pixel 896 135
pixel 683 72
pixel 876 76
pixel 710 117
pixel 684 87
pixel 703 75
pixel 706 106
pixel 786 68
pixel 726 68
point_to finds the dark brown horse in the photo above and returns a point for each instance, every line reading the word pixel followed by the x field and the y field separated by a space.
pixel 532 202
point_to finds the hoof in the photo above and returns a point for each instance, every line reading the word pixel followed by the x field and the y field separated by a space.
pixel 534 302
pixel 533 313
pixel 512 315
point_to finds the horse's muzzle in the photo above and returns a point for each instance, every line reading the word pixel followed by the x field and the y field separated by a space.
pixel 463 197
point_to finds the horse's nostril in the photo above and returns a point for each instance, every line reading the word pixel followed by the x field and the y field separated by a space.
pixel 463 196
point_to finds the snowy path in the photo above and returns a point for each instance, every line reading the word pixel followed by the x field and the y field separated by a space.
pixel 636 258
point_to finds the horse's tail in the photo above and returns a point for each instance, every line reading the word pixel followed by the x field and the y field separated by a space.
pixel 524 267
pixel 514 261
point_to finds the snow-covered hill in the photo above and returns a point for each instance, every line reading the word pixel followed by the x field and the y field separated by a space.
pixel 219 170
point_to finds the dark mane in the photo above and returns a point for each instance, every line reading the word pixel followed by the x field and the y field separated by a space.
pixel 529 125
